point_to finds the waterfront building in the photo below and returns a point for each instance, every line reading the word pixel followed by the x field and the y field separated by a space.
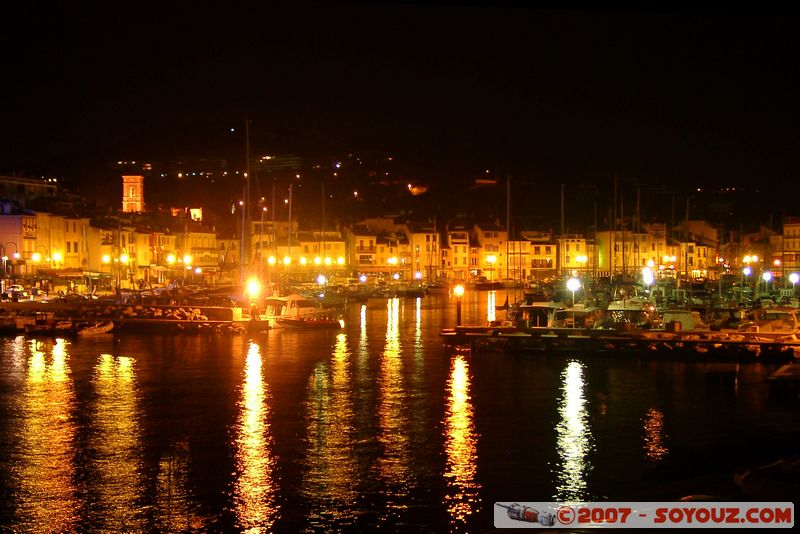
pixel 76 246
pixel 491 239
pixel 543 254
pixel 790 245
pixel 455 256
pixel 426 254
pixel 363 247
pixel 519 252
pixel 228 254
pixel 196 250
pixel 17 238
pixel 576 255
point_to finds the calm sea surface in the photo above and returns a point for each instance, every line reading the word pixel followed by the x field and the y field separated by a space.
pixel 378 425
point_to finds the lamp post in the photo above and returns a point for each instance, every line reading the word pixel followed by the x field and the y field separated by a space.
pixel 766 276
pixel 187 265
pixel 5 255
pixel 491 259
pixel 647 277
pixel 170 264
pixel 573 284
pixel 458 291
pixel 745 272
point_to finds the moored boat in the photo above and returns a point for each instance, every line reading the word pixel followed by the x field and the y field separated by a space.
pixel 310 322
pixel 46 324
pixel 99 327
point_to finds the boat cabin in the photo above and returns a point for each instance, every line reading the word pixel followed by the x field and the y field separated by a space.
pixel 578 316
pixel 536 314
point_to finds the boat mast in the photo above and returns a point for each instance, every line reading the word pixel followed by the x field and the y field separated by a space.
pixel 246 207
pixel 508 225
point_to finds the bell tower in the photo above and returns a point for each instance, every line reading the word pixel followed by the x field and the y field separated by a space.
pixel 132 194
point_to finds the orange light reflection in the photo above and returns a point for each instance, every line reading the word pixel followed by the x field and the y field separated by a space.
pixel 255 491
pixel 462 497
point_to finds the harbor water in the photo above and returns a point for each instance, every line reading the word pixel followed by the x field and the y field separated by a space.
pixel 376 425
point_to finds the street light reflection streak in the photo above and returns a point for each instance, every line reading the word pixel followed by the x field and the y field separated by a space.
pixel 44 469
pixel 331 468
pixel 573 437
pixel 393 465
pixel 255 491
pixel 654 435
pixel 116 440
pixel 491 299
pixel 461 446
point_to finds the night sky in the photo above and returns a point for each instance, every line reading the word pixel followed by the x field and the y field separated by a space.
pixel 687 99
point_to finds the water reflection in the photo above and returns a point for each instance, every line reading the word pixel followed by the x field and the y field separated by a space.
pixel 44 470
pixel 573 437
pixel 654 435
pixel 331 465
pixel 462 497
pixel 117 477
pixel 418 322
pixel 255 490
pixel 172 482
pixel 393 465
pixel 491 300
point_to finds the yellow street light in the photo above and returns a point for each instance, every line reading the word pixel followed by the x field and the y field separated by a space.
pixel 272 260
pixel 187 259
pixel 253 288
pixel 106 258
pixel 458 291
pixel 36 257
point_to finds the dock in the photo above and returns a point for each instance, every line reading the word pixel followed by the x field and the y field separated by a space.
pixel 712 345
pixel 139 318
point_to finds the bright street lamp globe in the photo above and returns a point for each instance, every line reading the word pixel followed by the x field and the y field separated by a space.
pixel 747 271
pixel 573 284
pixel 794 278
pixel 647 276
pixel 767 276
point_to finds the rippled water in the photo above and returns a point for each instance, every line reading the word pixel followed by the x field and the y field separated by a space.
pixel 377 425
